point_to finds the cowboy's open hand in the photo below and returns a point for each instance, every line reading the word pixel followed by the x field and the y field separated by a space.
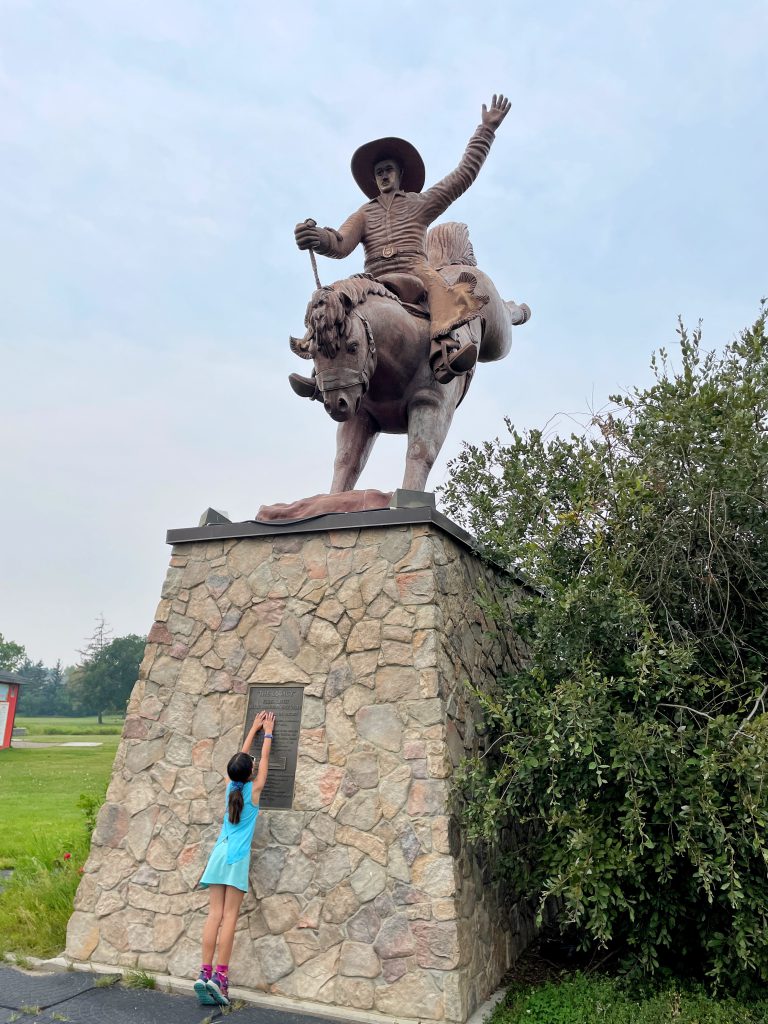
pixel 500 107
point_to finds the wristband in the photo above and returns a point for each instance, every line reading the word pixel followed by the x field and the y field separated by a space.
pixel 268 736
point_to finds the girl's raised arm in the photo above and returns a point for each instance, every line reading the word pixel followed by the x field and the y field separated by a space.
pixel 258 722
pixel 261 775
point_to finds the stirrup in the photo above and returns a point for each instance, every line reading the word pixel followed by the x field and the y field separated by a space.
pixel 451 364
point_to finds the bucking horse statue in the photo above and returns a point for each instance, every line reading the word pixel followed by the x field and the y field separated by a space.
pixel 370 344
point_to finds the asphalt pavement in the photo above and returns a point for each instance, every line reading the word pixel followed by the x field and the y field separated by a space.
pixel 83 998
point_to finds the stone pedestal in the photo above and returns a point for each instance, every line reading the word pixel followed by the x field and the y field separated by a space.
pixel 363 895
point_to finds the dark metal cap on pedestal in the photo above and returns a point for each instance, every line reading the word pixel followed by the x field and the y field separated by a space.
pixel 412 499
pixel 211 517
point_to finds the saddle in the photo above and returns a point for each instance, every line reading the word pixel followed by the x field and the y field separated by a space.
pixel 410 290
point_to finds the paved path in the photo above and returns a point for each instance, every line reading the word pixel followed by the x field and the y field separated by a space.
pixel 35 998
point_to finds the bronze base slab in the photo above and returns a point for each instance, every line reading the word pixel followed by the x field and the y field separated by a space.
pixel 324 504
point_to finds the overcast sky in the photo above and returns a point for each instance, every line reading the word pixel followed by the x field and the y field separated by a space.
pixel 155 157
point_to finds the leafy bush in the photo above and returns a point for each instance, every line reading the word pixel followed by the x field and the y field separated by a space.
pixel 632 748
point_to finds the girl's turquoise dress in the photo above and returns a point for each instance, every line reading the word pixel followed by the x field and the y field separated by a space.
pixel 231 856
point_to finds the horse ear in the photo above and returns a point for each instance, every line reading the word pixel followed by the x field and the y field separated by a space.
pixel 301 346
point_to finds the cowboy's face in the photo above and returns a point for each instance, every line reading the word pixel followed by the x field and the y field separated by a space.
pixel 388 174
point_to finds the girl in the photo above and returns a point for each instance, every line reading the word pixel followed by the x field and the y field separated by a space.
pixel 226 873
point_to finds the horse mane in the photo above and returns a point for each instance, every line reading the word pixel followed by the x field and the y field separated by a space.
pixel 328 310
pixel 448 244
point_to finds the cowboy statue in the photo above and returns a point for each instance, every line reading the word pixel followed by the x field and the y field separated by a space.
pixel 394 348
pixel 393 229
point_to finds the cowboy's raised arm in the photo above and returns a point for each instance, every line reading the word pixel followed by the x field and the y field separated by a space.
pixel 329 242
pixel 438 198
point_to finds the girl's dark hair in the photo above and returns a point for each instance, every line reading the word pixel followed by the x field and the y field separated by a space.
pixel 239 769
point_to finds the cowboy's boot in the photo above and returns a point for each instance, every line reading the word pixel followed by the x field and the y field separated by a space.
pixel 449 358
pixel 305 387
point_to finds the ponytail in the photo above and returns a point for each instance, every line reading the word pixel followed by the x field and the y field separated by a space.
pixel 239 769
pixel 235 805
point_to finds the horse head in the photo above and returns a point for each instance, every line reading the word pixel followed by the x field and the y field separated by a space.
pixel 339 340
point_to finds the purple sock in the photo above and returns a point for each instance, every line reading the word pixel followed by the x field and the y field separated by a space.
pixel 206 970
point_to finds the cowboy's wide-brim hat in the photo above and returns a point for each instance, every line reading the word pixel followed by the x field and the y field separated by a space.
pixel 407 156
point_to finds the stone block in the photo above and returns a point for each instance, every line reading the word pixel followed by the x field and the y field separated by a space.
pixel 369 844
pixel 395 683
pixel 365 924
pixel 434 874
pixel 362 811
pixel 395 938
pixel 437 944
pixel 340 904
pixel 354 992
pixel 365 636
pixel 380 725
pixel 419 992
pixel 358 960
pixel 281 912
pixel 368 880
pixel 274 957
pixel 82 935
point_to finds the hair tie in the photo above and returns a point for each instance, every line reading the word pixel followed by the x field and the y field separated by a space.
pixel 237 785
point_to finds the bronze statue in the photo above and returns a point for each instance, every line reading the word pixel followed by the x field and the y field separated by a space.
pixel 395 347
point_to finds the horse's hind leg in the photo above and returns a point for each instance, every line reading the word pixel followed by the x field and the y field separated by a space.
pixel 429 420
pixel 354 440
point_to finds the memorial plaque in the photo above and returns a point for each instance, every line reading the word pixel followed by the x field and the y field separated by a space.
pixel 285 702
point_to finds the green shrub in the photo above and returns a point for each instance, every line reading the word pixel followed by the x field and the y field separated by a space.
pixel 631 748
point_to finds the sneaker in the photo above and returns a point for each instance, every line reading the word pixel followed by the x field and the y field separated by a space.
pixel 204 997
pixel 217 989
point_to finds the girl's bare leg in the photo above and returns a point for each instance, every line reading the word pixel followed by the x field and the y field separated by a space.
pixel 213 921
pixel 232 900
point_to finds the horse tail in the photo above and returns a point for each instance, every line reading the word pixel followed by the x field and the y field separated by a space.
pixel 449 244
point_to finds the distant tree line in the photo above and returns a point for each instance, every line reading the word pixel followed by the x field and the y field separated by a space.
pixel 100 683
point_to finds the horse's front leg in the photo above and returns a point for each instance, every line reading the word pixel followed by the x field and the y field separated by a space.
pixel 354 440
pixel 429 420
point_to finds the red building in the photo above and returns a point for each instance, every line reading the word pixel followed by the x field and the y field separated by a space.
pixel 9 695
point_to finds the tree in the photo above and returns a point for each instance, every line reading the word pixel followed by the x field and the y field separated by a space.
pixel 631 750
pixel 97 641
pixel 11 655
pixel 102 683
pixel 44 692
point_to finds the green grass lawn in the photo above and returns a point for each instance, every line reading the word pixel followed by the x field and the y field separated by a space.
pixel 40 791
pixel 40 788
pixel 59 729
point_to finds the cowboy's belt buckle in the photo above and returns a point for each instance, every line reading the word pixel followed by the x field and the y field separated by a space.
pixel 388 251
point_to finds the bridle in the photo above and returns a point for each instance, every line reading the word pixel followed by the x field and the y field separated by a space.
pixel 339 379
